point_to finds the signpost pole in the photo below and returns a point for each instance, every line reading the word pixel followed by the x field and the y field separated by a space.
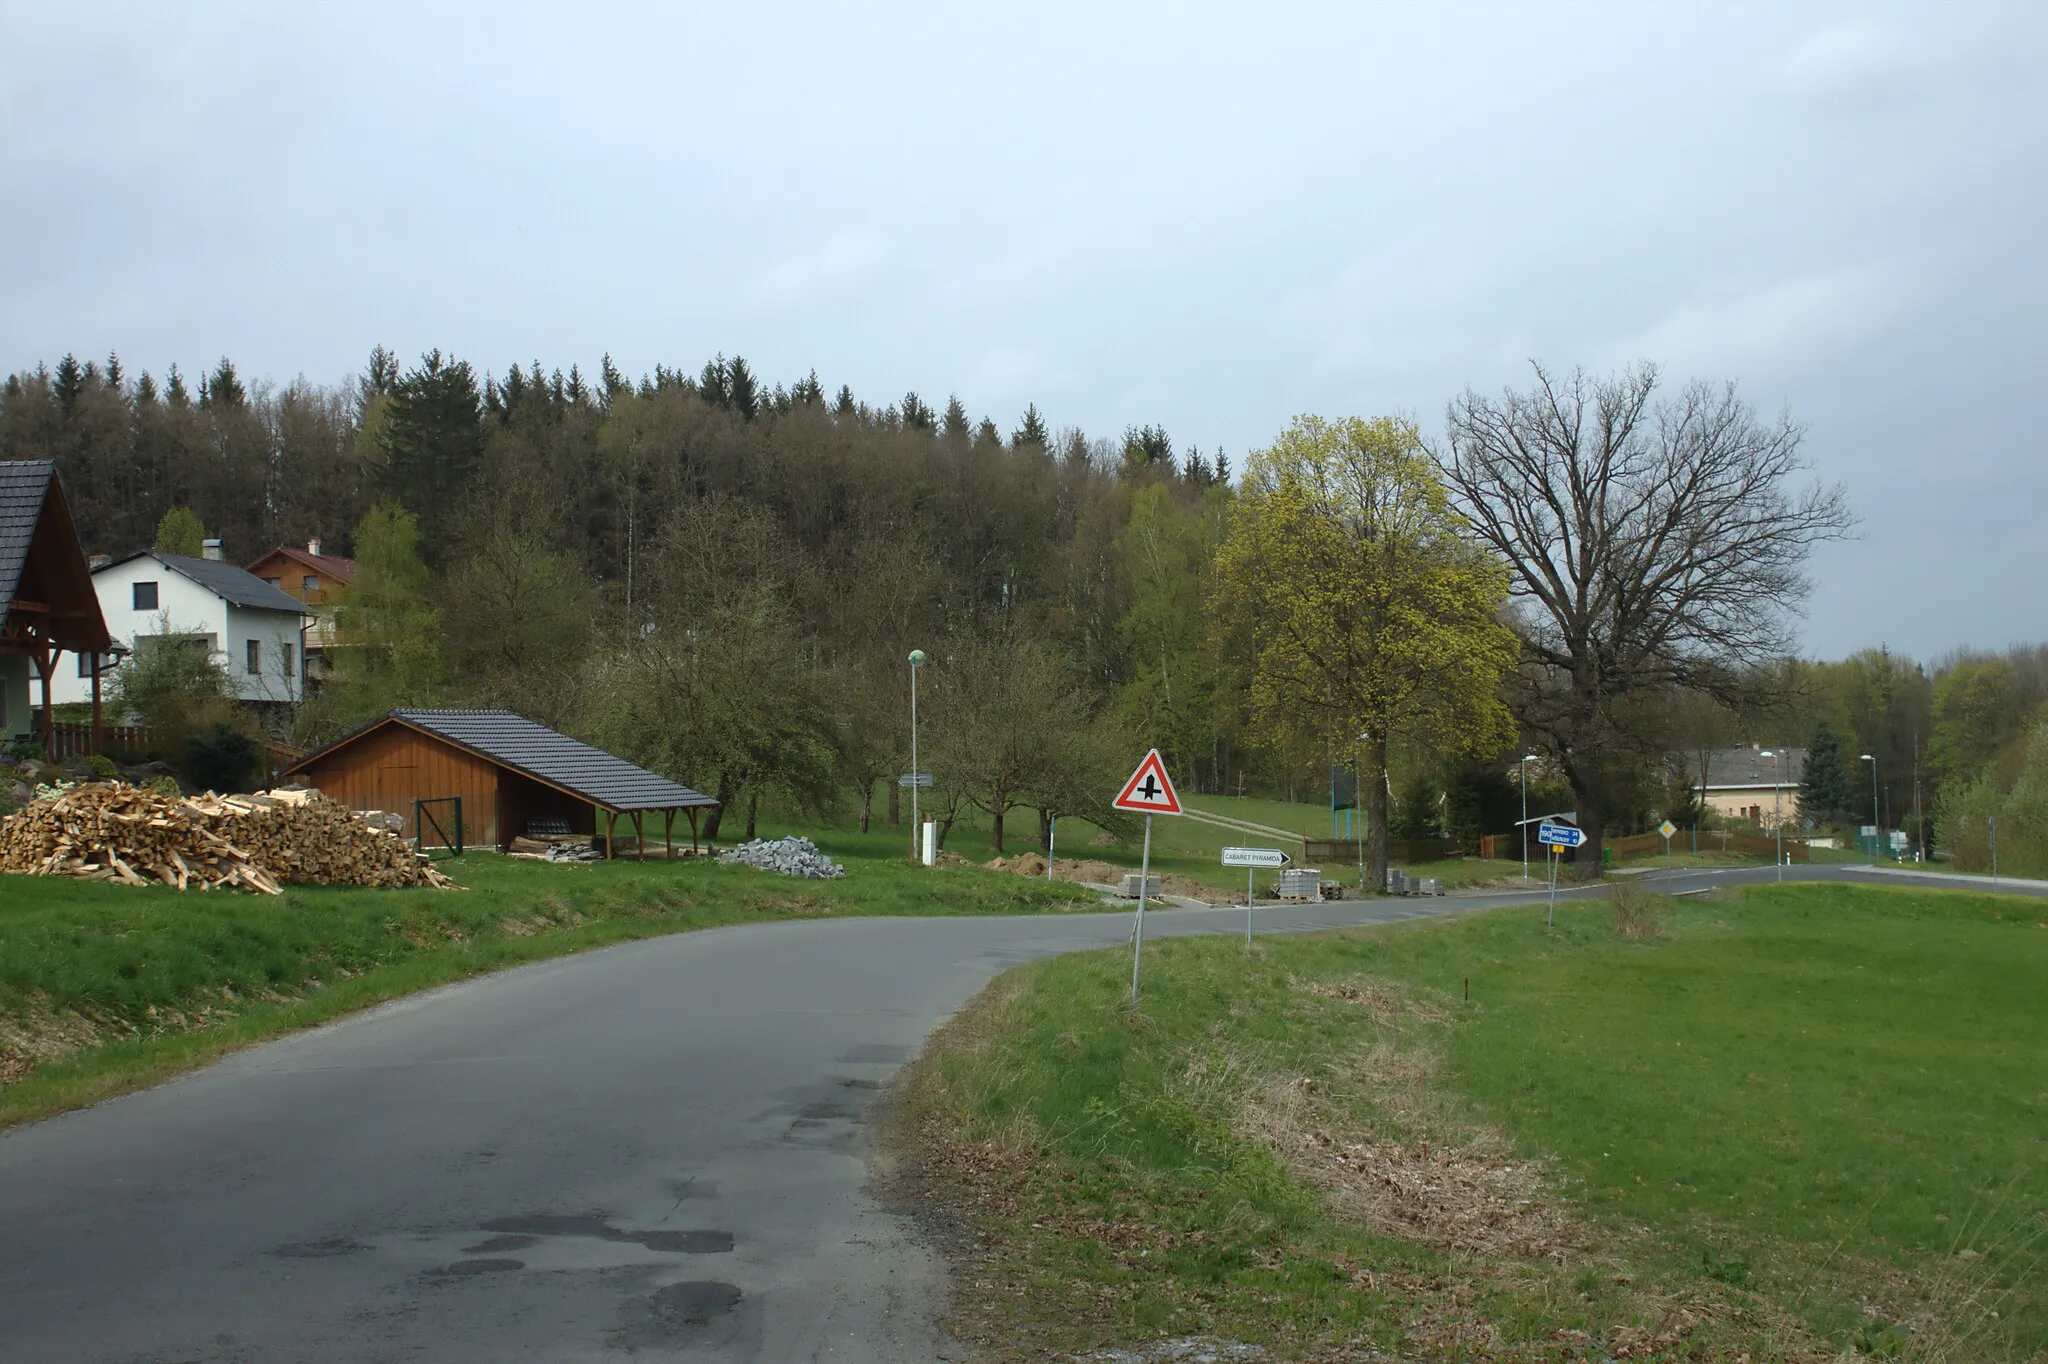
pixel 1249 873
pixel 1550 921
pixel 1052 830
pixel 1138 931
pixel 916 830
pixel 1994 846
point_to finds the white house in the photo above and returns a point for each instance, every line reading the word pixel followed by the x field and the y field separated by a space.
pixel 151 598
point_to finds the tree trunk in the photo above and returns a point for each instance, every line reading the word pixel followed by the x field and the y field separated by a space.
pixel 1374 780
pixel 1044 831
pixel 753 808
pixel 867 802
pixel 717 815
pixel 1589 786
pixel 995 827
pixel 895 805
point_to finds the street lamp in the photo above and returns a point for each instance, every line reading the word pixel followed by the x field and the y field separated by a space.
pixel 1777 815
pixel 1523 767
pixel 916 829
pixel 1875 830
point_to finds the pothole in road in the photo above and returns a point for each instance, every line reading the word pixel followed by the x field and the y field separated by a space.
pixel 463 1269
pixel 696 1303
pixel 526 1230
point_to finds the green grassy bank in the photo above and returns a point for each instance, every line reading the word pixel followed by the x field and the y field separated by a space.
pixel 1793 1122
pixel 104 988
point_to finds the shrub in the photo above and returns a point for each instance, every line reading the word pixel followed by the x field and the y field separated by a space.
pixel 103 767
pixel 222 759
pixel 1638 914
pixel 166 786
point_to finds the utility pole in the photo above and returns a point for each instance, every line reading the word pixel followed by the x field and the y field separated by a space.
pixel 916 828
pixel 1522 830
pixel 1876 825
pixel 1777 815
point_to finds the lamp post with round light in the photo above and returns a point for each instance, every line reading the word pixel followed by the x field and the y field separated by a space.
pixel 1876 825
pixel 1523 768
pixel 1777 814
pixel 916 829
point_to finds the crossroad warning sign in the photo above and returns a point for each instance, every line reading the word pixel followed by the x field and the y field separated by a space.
pixel 1149 791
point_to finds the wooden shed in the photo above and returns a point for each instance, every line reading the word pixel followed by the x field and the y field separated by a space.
pixel 512 777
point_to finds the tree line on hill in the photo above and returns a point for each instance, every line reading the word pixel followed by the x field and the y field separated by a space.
pixel 721 579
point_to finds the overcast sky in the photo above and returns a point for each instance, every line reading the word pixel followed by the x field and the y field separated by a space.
pixel 1207 218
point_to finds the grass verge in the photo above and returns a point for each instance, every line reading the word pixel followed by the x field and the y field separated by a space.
pixel 105 988
pixel 1785 1124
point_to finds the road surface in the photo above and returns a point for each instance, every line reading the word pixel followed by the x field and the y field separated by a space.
pixel 653 1151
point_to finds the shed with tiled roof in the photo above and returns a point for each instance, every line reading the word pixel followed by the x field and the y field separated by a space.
pixel 47 603
pixel 510 776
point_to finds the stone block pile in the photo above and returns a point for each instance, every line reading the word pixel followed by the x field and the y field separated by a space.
pixel 792 856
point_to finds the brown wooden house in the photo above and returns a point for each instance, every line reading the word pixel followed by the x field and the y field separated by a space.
pixel 512 777
pixel 47 598
pixel 314 578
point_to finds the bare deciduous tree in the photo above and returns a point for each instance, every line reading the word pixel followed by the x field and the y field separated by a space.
pixel 1655 543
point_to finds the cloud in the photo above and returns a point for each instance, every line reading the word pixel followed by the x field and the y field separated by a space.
pixel 1799 323
pixel 842 266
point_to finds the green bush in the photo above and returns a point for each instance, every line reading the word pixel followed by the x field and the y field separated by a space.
pixel 104 767
pixel 222 759
pixel 167 786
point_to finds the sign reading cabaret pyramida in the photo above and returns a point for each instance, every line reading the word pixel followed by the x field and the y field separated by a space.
pixel 1149 792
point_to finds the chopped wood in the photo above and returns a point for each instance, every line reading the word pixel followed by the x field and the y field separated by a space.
pixel 132 835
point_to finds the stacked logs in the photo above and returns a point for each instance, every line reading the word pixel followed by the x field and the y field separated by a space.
pixel 131 835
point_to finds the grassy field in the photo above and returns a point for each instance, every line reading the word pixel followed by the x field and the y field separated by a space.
pixel 1792 1122
pixel 104 987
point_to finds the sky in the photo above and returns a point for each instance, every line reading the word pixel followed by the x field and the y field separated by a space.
pixel 1211 218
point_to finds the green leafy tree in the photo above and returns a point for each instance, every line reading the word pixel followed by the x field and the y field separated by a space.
pixel 520 621
pixel 181 532
pixel 174 684
pixel 1369 616
pixel 1974 716
pixel 1172 697
pixel 1824 781
pixel 387 638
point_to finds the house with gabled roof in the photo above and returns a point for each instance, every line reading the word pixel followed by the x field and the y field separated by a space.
pixel 47 603
pixel 497 775
pixel 153 599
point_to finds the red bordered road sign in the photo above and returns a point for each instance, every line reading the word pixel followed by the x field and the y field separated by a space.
pixel 1150 790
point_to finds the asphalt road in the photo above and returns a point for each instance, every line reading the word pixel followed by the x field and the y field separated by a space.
pixel 654 1151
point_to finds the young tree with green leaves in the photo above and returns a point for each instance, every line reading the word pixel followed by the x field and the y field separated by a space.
pixel 181 532
pixel 1370 616
pixel 387 649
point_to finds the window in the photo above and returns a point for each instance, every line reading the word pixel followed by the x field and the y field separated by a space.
pixel 145 596
pixel 275 582
pixel 287 649
pixel 255 657
pixel 312 583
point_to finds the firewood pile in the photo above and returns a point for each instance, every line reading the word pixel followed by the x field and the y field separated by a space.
pixel 131 835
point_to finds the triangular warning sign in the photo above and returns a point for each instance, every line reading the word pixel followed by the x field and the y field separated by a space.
pixel 1149 791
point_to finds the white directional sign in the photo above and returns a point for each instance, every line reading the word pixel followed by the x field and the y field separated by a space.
pixel 1255 857
pixel 915 779
pixel 1667 828
pixel 1149 791
pixel 1560 835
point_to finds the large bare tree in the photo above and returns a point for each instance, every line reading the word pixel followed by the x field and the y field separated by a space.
pixel 1656 542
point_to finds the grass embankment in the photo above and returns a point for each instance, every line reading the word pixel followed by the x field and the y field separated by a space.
pixel 1796 1120
pixel 104 988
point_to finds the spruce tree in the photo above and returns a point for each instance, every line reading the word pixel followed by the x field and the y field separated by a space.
pixel 844 406
pixel 1824 784
pixel 174 388
pixel 712 385
pixel 956 425
pixel 916 414
pixel 743 389
pixel 222 390
pixel 1031 431
pixel 70 382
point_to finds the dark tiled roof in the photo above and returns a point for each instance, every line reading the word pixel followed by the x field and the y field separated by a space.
pixel 334 566
pixel 538 751
pixel 1748 766
pixel 23 485
pixel 230 582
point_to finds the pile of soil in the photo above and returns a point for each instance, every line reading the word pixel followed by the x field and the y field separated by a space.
pixel 1100 873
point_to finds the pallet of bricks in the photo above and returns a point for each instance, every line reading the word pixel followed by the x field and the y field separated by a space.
pixel 134 835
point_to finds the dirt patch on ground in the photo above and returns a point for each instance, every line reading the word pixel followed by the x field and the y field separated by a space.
pixel 29 1039
pixel 1100 873
pixel 1474 1197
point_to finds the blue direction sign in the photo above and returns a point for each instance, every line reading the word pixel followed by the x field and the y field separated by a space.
pixel 1560 835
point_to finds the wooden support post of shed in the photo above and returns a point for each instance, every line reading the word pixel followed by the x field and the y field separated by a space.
pixel 693 828
pixel 639 837
pixel 611 820
pixel 46 664
pixel 668 833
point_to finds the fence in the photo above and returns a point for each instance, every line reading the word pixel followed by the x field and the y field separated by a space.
pixel 74 738
pixel 1344 851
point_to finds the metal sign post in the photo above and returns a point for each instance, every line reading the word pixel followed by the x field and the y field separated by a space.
pixel 1557 837
pixel 1148 792
pixel 1251 859
pixel 1052 830
pixel 1667 828
pixel 916 853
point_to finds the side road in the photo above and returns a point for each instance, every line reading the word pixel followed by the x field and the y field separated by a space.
pixel 655 1147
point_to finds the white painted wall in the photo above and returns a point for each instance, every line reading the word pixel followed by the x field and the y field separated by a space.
pixel 186 608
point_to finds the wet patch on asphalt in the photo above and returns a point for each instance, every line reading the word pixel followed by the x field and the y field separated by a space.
pixel 527 1229
pixel 320 1250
